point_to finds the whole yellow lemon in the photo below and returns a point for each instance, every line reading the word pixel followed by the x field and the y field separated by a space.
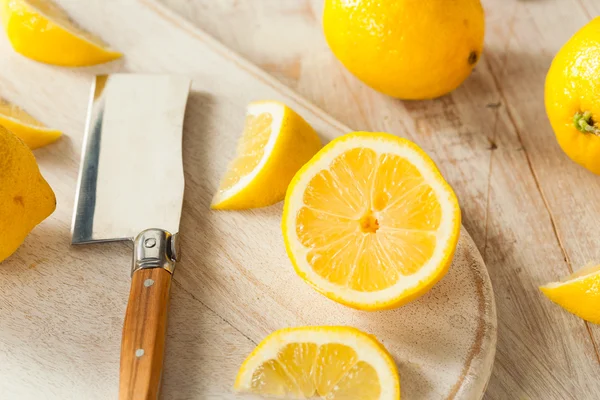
pixel 410 49
pixel 26 199
pixel 572 96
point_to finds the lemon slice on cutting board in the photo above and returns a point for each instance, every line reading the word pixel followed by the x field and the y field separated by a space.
pixel 275 143
pixel 370 222
pixel 30 130
pixel 579 293
pixel 42 31
pixel 328 362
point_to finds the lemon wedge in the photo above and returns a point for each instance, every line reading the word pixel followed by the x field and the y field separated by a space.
pixel 42 31
pixel 28 129
pixel 370 222
pixel 579 293
pixel 332 363
pixel 275 143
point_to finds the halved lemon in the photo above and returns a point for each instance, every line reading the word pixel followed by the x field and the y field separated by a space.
pixel 578 293
pixel 370 222
pixel 328 362
pixel 275 143
pixel 30 130
pixel 42 31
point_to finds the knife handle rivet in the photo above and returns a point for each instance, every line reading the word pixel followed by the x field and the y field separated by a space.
pixel 154 248
pixel 139 353
pixel 148 282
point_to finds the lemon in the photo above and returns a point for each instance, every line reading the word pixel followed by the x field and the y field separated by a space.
pixel 26 199
pixel 572 96
pixel 406 48
pixel 30 130
pixel 329 362
pixel 370 222
pixel 42 31
pixel 579 293
pixel 275 143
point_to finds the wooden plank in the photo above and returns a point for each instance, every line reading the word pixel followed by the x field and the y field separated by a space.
pixel 493 142
pixel 235 283
pixel 566 188
pixel 591 8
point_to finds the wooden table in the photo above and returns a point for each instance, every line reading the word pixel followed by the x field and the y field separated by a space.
pixel 531 211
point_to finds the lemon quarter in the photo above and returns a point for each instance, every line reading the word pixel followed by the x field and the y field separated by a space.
pixel 30 130
pixel 275 143
pixel 42 31
pixel 579 293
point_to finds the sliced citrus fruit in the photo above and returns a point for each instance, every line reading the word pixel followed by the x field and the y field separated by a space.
pixel 30 130
pixel 370 222
pixel 275 143
pixel 332 363
pixel 42 31
pixel 578 293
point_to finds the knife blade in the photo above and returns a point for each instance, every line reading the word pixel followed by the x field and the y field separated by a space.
pixel 130 187
pixel 131 174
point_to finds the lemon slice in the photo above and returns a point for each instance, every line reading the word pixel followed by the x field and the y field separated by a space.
pixel 29 129
pixel 42 31
pixel 275 143
pixel 328 362
pixel 579 293
pixel 370 222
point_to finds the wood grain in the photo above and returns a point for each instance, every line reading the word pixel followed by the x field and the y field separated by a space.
pixel 144 332
pixel 235 283
pixel 531 211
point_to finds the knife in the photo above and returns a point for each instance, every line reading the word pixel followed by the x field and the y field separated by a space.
pixel 130 187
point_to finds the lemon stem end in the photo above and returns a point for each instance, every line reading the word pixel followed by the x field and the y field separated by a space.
pixel 584 123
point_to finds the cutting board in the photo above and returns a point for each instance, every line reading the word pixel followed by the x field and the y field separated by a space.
pixel 61 307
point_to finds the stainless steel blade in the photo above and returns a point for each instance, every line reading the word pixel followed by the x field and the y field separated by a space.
pixel 131 172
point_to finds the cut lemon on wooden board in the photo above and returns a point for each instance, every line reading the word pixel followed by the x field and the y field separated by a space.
pixel 42 31
pixel 28 129
pixel 579 293
pixel 328 362
pixel 370 222
pixel 275 143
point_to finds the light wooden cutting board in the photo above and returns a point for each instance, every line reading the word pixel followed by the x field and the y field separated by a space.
pixel 61 307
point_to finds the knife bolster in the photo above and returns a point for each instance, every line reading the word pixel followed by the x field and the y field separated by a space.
pixel 155 248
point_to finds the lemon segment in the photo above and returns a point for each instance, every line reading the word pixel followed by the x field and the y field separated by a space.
pixel 370 222
pixel 275 143
pixel 579 293
pixel 42 31
pixel 323 362
pixel 29 129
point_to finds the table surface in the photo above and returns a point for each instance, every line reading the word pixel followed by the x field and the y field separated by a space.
pixel 525 203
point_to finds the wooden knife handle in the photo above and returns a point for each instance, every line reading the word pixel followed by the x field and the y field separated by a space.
pixel 144 332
